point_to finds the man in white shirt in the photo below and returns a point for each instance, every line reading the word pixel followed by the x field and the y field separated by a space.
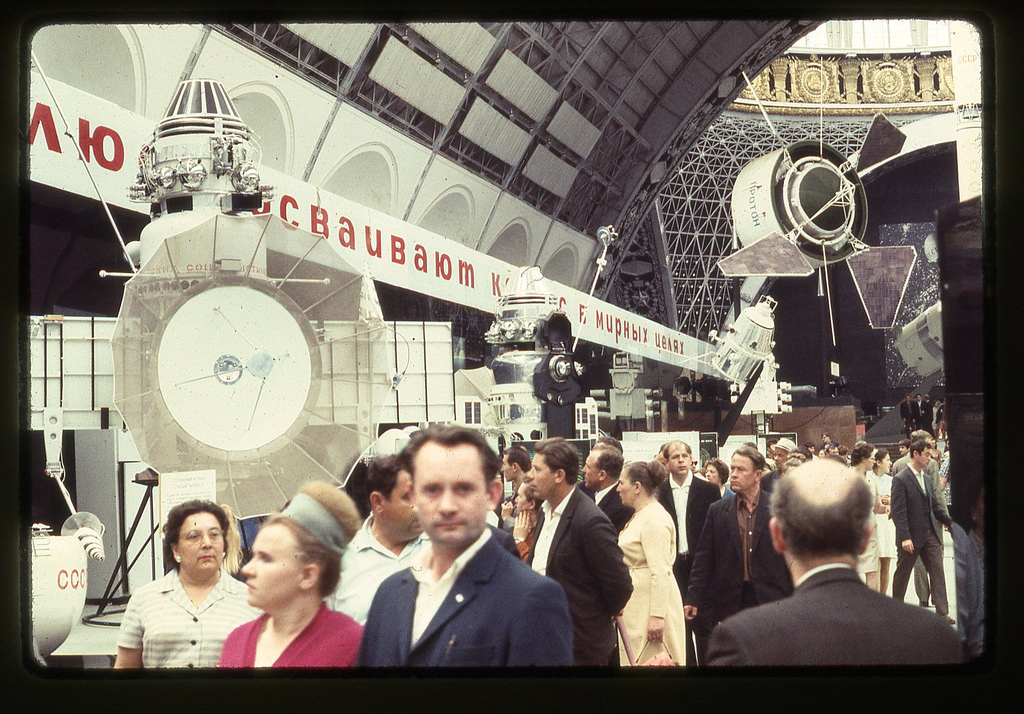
pixel 821 521
pixel 601 475
pixel 390 540
pixel 466 602
pixel 687 499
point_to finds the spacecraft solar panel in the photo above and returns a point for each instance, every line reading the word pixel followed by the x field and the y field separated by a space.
pixel 772 255
pixel 881 276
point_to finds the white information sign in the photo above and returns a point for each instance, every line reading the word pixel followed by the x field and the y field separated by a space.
pixel 180 486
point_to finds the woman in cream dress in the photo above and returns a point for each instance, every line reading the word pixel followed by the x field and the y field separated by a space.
pixel 654 614
pixel 862 461
pixel 883 521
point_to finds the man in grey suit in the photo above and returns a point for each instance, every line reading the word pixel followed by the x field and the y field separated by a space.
pixel 917 512
pixel 822 519
pixel 576 545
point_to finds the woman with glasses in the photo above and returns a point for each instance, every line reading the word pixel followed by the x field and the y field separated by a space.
pixel 182 619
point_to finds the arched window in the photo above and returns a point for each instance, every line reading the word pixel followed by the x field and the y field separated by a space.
pixel 561 266
pixel 512 246
pixel 365 179
pixel 451 216
pixel 93 58
pixel 264 117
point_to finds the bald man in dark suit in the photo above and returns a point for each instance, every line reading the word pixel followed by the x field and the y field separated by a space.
pixel 822 519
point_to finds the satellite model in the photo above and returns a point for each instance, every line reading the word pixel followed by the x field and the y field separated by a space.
pixel 243 344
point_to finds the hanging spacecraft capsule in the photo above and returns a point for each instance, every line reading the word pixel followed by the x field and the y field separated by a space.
pixel 796 209
pixel 747 342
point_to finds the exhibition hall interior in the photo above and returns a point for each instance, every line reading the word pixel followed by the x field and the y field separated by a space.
pixel 262 254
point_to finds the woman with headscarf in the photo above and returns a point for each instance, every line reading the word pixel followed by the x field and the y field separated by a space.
pixel 182 619
pixel 295 565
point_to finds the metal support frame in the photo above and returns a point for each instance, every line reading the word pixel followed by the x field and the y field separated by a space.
pixel 122 566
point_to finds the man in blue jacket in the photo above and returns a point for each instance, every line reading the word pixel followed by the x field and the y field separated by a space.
pixel 468 602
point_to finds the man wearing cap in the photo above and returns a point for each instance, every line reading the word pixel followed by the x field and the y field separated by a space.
pixel 780 452
pixel 467 602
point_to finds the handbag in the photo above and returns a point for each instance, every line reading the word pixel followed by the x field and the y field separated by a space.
pixel 621 626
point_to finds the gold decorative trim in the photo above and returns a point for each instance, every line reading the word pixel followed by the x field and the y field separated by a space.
pixel 845 85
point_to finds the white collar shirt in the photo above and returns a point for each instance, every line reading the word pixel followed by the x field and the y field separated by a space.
pixel 919 475
pixel 820 568
pixel 433 592
pixel 680 494
pixel 599 496
pixel 366 564
pixel 543 540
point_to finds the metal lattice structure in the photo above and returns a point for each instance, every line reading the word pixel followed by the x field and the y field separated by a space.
pixel 694 207
pixel 637 287
pixel 620 96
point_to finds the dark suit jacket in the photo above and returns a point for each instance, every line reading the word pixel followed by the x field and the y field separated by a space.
pixel 927 414
pixel 702 494
pixel 915 413
pixel 498 613
pixel 906 411
pixel 586 561
pixel 505 540
pixel 769 480
pixel 833 619
pixel 618 513
pixel 716 578
pixel 913 512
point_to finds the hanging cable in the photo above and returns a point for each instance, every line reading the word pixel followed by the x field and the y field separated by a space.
pixel 828 296
pixel 81 156
pixel 760 106
pixel 821 108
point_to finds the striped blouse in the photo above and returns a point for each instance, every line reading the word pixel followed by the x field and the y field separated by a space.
pixel 171 632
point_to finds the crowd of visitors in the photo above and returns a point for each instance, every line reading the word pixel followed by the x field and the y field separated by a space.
pixel 773 558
